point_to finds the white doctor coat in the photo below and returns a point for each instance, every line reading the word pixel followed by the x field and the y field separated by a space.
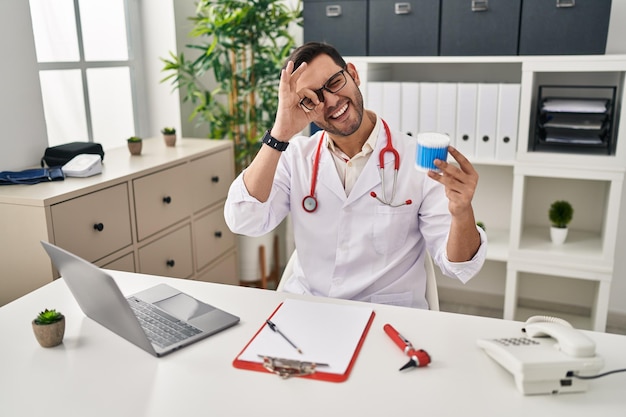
pixel 354 247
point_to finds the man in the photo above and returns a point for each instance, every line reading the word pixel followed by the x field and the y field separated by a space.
pixel 360 234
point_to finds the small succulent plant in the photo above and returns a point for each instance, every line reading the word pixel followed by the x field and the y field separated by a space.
pixel 134 139
pixel 48 317
pixel 168 131
pixel 560 214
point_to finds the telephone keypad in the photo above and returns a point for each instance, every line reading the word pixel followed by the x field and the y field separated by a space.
pixel 516 341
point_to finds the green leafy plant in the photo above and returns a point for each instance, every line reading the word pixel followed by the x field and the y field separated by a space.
pixel 134 139
pixel 168 131
pixel 243 45
pixel 481 225
pixel 560 214
pixel 48 317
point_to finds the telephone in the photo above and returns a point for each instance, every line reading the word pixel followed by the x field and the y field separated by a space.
pixel 83 165
pixel 545 359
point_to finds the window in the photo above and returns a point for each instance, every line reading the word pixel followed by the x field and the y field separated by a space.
pixel 86 69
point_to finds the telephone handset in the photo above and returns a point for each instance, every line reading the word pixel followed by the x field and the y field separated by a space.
pixel 545 356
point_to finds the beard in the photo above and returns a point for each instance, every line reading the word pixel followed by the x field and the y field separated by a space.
pixel 354 123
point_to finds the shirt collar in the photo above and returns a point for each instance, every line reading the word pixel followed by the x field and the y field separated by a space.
pixel 368 146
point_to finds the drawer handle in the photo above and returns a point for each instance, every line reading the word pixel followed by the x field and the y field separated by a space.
pixel 215 179
pixel 170 263
pixel 480 5
pixel 218 234
pixel 98 226
pixel 167 199
pixel 565 3
pixel 333 10
pixel 485 138
pixel 402 8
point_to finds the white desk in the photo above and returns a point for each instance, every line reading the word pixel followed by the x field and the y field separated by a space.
pixel 96 373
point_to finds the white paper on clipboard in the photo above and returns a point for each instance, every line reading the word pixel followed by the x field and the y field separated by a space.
pixel 326 333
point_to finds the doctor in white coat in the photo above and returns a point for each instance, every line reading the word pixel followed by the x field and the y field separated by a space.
pixel 355 240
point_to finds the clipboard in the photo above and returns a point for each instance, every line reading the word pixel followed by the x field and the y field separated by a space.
pixel 329 335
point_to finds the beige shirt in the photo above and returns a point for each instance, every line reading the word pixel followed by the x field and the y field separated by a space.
pixel 349 169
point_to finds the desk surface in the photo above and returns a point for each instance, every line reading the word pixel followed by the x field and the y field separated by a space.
pixel 96 373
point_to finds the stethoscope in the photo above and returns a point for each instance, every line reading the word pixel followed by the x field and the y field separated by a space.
pixel 309 203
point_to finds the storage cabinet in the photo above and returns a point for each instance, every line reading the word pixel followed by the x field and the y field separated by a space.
pixel 524 270
pixel 160 213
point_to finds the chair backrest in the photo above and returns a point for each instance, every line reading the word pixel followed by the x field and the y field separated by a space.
pixel 432 295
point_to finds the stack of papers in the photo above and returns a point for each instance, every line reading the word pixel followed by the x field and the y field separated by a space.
pixel 567 105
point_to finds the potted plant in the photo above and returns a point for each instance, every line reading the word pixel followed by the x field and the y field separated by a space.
pixel 49 328
pixel 560 214
pixel 134 145
pixel 242 46
pixel 169 136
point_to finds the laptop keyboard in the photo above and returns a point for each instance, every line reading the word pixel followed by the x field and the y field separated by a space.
pixel 161 328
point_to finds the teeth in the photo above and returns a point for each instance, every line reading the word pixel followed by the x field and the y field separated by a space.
pixel 340 112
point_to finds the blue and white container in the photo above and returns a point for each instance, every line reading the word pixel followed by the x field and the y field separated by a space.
pixel 431 146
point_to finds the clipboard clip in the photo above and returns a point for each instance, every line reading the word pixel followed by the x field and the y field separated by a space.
pixel 286 368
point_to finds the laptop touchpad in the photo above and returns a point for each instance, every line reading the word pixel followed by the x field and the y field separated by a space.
pixel 184 307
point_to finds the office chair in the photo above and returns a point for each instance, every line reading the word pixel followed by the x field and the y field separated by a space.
pixel 432 295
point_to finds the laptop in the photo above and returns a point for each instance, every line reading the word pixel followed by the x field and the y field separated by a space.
pixel 159 320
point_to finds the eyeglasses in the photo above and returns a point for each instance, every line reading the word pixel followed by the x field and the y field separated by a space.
pixel 333 85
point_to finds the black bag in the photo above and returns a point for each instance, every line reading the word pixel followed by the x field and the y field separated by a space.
pixel 62 154
pixel 31 176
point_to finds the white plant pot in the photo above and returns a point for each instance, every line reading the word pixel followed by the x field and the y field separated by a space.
pixel 558 235
pixel 248 256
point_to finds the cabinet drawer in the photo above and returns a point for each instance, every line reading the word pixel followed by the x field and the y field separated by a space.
pixel 403 28
pixel 223 272
pixel 94 225
pixel 169 256
pixel 125 263
pixel 212 237
pixel 161 199
pixel 210 178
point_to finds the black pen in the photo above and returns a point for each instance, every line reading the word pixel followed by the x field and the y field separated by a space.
pixel 275 329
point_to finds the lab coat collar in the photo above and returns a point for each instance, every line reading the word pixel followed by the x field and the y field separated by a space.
pixel 369 178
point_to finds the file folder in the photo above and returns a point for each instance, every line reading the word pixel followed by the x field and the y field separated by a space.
pixel 465 140
pixel 375 91
pixel 392 103
pixel 508 116
pixel 428 107
pixel 328 334
pixel 486 116
pixel 446 110
pixel 410 108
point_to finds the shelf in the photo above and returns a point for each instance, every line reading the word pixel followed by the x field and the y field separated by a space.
pixel 581 248
pixel 514 194
pixel 498 244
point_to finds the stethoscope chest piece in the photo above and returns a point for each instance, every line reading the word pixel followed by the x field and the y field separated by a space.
pixel 309 203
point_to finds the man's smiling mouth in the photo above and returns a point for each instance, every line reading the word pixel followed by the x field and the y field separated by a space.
pixel 339 112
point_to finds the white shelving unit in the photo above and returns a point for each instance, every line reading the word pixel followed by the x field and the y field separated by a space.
pixel 514 196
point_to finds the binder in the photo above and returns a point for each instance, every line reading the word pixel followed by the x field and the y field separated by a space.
pixel 486 115
pixel 428 107
pixel 410 108
pixel 375 91
pixel 446 109
pixel 507 122
pixel 329 335
pixel 392 102
pixel 465 140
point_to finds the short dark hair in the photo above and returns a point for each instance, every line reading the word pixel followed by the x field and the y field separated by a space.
pixel 310 50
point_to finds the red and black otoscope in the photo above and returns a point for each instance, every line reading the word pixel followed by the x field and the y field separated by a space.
pixel 419 357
